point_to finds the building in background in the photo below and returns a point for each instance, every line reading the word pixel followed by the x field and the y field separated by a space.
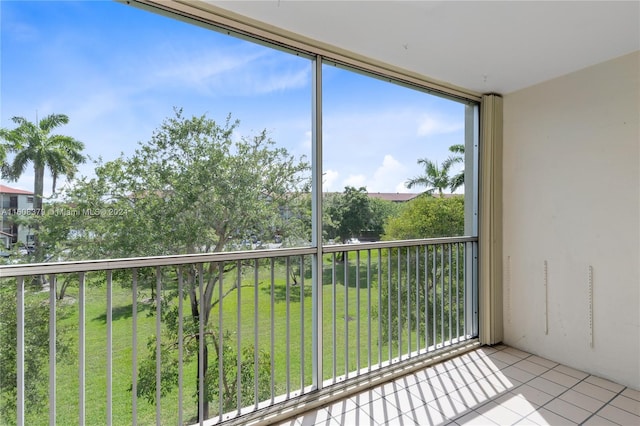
pixel 14 202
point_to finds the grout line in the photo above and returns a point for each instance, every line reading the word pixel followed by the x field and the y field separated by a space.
pixel 607 403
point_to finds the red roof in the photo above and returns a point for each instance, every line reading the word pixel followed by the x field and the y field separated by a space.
pixel 8 190
pixel 393 196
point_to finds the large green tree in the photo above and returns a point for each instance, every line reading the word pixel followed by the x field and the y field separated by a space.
pixel 192 188
pixel 424 217
pixel 350 213
pixel 427 217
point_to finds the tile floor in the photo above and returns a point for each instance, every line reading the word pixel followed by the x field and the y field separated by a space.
pixel 491 385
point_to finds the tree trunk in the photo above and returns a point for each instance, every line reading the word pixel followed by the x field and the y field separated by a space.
pixel 201 371
pixel 205 367
pixel 38 189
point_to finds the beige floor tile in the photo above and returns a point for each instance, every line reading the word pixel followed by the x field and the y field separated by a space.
pixel 516 352
pixel 444 383
pixel 490 366
pixel 594 391
pixel 474 394
pixel 484 351
pixel 474 419
pixel 517 374
pixel 571 371
pixel 505 357
pixel 525 422
pixel 560 378
pixel 547 386
pixel 355 417
pixel 603 383
pixel 404 420
pixel 545 417
pixel 542 361
pixel 425 415
pixel 533 395
pixel 381 410
pixel 598 421
pixel 516 403
pixel 567 410
pixel 425 392
pixel 499 346
pixel 484 390
pixel 631 393
pixel 404 400
pixel 412 379
pixel 502 382
pixel 457 362
pixel 583 401
pixel 499 414
pixel 627 404
pixel 531 367
pixel 461 376
pixel 477 369
pixel 341 406
pixel 449 407
pixel 618 415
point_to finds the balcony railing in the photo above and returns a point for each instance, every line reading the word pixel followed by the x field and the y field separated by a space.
pixel 210 337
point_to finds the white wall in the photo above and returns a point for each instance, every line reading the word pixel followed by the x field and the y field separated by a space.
pixel 572 198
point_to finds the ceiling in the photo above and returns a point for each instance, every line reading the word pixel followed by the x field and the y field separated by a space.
pixel 484 46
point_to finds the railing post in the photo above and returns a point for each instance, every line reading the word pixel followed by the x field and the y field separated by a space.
pixel 20 351
pixel 316 214
pixel 52 350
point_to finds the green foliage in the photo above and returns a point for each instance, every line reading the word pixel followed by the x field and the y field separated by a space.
pixel 427 217
pixel 423 217
pixel 36 358
pixel 457 180
pixel 435 178
pixel 34 143
pixel 355 214
pixel 192 181
pixel 192 188
pixel 424 300
pixel 229 386
pixel 381 212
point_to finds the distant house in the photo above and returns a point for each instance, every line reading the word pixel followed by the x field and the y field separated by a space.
pixel 396 197
pixel 14 202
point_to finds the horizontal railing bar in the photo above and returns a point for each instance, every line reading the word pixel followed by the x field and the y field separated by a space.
pixel 10 271
pixel 336 248
pixel 142 262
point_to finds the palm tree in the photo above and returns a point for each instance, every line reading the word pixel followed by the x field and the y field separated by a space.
pixel 34 143
pixel 457 180
pixel 434 178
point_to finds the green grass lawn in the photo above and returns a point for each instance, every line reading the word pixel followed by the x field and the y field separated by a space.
pixel 298 350
pixel 347 309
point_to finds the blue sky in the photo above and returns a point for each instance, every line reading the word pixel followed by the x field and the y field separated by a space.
pixel 118 71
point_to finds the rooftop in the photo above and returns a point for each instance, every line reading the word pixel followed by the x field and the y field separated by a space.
pixel 8 190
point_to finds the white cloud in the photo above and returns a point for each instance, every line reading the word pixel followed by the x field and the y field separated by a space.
pixel 387 177
pixel 432 125
pixel 329 178
pixel 401 187
pixel 355 181
pixel 238 71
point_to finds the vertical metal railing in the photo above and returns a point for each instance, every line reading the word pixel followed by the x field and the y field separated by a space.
pixel 385 303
